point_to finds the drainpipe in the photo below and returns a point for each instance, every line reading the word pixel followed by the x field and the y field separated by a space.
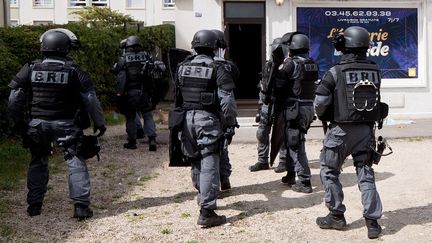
pixel 6 17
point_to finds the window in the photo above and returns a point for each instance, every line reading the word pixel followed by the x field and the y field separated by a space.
pixel 169 3
pixel 77 3
pixel 42 22
pixel 14 23
pixel 135 3
pixel 168 22
pixel 83 3
pixel 13 3
pixel 99 3
pixel 42 3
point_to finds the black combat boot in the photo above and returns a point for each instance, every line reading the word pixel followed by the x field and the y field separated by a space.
pixel 34 209
pixel 289 179
pixel 208 218
pixel 374 229
pixel 225 184
pixel 130 145
pixel 332 221
pixel 259 166
pixel 152 144
pixel 302 186
pixel 82 211
pixel 140 133
pixel 280 168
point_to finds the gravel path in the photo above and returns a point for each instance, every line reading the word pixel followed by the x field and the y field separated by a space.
pixel 138 198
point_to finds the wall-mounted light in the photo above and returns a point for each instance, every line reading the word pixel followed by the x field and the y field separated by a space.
pixel 279 2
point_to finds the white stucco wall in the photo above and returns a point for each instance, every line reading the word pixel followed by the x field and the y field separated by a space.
pixel 194 15
pixel 278 22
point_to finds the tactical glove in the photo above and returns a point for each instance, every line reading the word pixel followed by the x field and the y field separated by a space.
pixel 101 129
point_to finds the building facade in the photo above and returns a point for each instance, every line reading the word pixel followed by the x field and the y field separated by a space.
pixel 34 12
pixel 401 34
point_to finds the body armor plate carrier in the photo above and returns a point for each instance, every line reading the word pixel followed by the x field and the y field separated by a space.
pixel 135 61
pixel 357 95
pixel 55 90
pixel 304 76
pixel 197 83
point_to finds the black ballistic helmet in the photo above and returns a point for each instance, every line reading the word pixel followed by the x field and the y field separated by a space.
pixel 356 37
pixel 299 42
pixel 277 50
pixel 276 44
pixel 132 40
pixel 58 41
pixel 205 39
pixel 221 43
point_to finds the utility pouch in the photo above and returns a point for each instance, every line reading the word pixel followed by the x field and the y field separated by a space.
pixel 207 98
pixel 175 119
pixel 88 147
pixel 384 109
pixel 293 137
pixel 379 151
pixel 292 111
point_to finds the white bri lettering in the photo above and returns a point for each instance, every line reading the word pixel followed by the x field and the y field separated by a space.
pixel 139 57
pixel 197 72
pixel 311 67
pixel 50 77
pixel 354 76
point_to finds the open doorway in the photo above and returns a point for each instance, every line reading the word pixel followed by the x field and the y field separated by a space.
pixel 245 32
pixel 245 46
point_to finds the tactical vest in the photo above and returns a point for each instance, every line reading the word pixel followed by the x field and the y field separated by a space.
pixel 197 83
pixel 357 92
pixel 135 61
pixel 55 90
pixel 304 77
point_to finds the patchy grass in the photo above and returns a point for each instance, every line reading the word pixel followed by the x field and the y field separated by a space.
pixel 185 215
pixel 113 118
pixel 7 230
pixel 166 231
pixel 242 215
pixel 14 160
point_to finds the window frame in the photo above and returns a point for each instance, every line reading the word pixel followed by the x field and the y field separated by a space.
pixel 46 22
pixel 43 5
pixel 77 6
pixel 169 4
pixel 130 7
pixel 97 2
pixel 14 20
pixel 14 5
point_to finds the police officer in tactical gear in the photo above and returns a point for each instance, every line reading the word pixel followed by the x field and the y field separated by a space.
pixel 349 97
pixel 55 89
pixel 225 165
pixel 265 120
pixel 204 90
pixel 156 72
pixel 294 88
pixel 134 89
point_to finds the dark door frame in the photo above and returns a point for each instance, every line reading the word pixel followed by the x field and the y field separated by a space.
pixel 261 21
pixel 248 21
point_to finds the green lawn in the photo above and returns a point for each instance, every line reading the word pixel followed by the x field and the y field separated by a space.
pixel 14 160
